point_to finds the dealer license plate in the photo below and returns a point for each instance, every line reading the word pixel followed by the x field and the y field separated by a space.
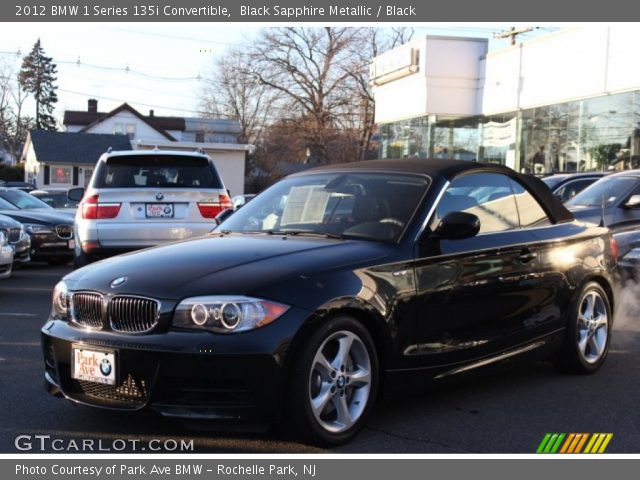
pixel 72 244
pixel 94 365
pixel 159 210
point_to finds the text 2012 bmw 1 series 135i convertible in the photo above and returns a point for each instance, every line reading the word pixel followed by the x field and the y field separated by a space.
pixel 304 300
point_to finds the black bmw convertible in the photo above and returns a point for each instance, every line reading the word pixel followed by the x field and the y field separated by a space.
pixel 300 304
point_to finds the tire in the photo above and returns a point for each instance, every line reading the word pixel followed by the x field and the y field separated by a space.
pixel 336 370
pixel 588 332
pixel 80 260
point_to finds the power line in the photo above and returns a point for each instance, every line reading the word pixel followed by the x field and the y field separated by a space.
pixel 176 37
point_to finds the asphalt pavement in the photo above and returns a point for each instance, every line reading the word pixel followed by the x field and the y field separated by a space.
pixel 506 412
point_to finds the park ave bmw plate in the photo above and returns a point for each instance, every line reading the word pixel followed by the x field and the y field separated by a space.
pixel 97 366
pixel 159 210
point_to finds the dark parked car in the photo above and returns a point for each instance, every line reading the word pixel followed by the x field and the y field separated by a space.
pixel 24 186
pixel 431 269
pixel 50 231
pixel 614 201
pixel 56 199
pixel 17 238
pixel 565 186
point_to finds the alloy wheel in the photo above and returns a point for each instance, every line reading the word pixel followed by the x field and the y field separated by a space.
pixel 593 327
pixel 340 381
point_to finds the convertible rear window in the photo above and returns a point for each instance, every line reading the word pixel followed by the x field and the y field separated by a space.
pixel 148 171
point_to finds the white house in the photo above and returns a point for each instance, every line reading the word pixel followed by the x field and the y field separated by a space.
pixel 216 137
pixel 65 159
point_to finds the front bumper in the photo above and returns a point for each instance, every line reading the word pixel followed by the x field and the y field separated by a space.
pixel 49 245
pixel 182 374
pixel 22 250
pixel 6 261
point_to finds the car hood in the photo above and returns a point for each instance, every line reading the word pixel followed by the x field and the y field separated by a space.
pixel 42 216
pixel 8 222
pixel 234 264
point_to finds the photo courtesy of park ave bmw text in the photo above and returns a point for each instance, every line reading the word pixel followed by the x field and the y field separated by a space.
pixel 311 239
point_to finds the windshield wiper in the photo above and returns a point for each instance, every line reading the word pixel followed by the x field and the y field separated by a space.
pixel 307 233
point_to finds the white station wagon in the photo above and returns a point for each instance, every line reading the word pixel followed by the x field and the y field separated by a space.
pixel 138 199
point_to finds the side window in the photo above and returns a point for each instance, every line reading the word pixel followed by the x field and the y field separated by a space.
pixel 531 213
pixel 571 189
pixel 486 195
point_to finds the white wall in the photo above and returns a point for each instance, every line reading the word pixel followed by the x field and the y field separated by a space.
pixel 31 165
pixel 231 168
pixel 446 83
pixel 143 130
pixel 576 62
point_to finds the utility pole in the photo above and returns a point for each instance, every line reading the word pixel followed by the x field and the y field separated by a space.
pixel 512 33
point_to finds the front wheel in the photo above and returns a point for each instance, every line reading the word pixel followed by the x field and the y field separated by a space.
pixel 588 332
pixel 334 382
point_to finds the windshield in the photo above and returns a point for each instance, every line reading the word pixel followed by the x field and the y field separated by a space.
pixel 354 205
pixel 166 171
pixel 22 200
pixel 605 191
pixel 56 199
pixel 4 205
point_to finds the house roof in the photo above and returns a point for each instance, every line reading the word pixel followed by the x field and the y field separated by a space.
pixel 74 148
pixel 93 118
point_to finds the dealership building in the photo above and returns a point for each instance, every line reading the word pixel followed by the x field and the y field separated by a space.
pixel 566 101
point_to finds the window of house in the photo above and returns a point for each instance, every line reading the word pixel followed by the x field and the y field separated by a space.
pixel 131 130
pixel 60 175
pixel 199 137
pixel 118 129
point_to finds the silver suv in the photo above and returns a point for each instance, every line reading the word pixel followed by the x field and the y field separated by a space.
pixel 138 199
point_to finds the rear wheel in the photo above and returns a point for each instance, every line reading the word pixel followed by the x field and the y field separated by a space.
pixel 588 333
pixel 334 382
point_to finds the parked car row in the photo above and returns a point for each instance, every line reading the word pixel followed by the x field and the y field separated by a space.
pixel 607 199
pixel 32 230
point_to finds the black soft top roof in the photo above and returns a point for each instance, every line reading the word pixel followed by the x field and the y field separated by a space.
pixel 448 169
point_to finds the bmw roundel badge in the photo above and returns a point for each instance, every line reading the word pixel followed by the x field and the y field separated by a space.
pixel 118 281
pixel 105 367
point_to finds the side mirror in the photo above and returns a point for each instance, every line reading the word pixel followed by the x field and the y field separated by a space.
pixel 238 201
pixel 458 225
pixel 223 215
pixel 75 194
pixel 633 202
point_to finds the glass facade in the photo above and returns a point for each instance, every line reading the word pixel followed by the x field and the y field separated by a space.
pixel 600 133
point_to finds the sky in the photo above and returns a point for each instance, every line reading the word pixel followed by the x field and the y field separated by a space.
pixel 150 66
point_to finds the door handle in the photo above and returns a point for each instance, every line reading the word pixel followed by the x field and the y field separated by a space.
pixel 526 255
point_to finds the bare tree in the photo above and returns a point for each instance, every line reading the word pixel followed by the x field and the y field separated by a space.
pixel 309 67
pixel 14 126
pixel 369 43
pixel 231 92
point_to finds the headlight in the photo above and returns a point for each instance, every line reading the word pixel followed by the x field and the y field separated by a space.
pixel 225 314
pixel 60 301
pixel 37 228
pixel 3 239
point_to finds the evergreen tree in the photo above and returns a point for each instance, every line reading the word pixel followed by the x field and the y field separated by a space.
pixel 38 76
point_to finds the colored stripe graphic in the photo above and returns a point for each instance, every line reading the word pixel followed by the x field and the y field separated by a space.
pixel 574 443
